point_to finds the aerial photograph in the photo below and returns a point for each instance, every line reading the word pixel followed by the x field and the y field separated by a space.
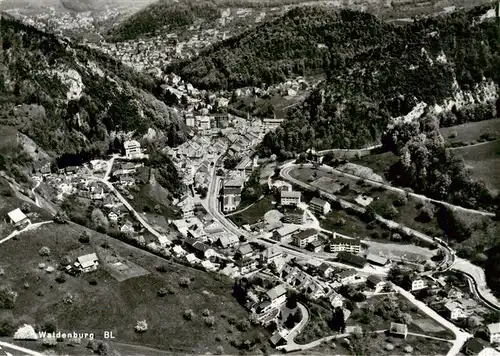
pixel 249 177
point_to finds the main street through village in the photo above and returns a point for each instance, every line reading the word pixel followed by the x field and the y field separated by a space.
pixel 212 204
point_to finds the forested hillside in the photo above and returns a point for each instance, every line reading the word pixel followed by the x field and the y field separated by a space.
pixel 374 70
pixel 69 98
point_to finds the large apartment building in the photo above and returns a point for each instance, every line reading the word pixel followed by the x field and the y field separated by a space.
pixel 305 237
pixel 339 243
pixel 290 198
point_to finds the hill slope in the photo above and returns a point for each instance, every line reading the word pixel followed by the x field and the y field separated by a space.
pixel 374 70
pixel 68 98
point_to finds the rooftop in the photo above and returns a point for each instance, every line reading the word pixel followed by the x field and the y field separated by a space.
pixel 290 194
pixel 16 216
pixel 276 292
pixel 317 202
pixel 304 234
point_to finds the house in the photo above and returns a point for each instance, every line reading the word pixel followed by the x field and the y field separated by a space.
pixel 398 329
pixel 226 239
pixel 414 282
pixel 276 339
pixel 113 217
pixel 246 265
pixel 336 300
pixel 209 266
pixel 276 295
pixel 231 195
pixel 294 218
pixel 493 332
pixel 17 218
pixel 45 171
pixel 187 211
pixel 376 259
pixel 87 263
pixel 132 149
pixel 453 292
pixel 179 251
pixel 191 258
pixel 454 310
pixel 315 246
pixel 272 124
pixel 203 251
pixel 349 258
pixel 70 170
pixel 203 122
pixel 270 254
pixel 339 243
pixel 319 206
pixel 290 198
pixel 304 237
pixel 284 234
pixel 245 251
pixel 164 241
pixel 474 346
pixel 126 180
pixel 347 276
pixel 128 167
pixel 325 270
pixel 127 228
pixel 375 281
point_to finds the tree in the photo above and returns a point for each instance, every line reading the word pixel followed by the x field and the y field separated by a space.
pixel 65 261
pixel 425 213
pixel 25 332
pixel 162 292
pixel 390 212
pixel 188 314
pixel 99 220
pixel 61 217
pixel 103 348
pixel 44 251
pixel 7 326
pixel 26 207
pixel 84 237
pixel 400 200
pixel 185 282
pixel 406 319
pixel 141 326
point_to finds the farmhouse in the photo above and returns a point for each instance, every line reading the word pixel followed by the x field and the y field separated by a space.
pixel 349 258
pixel 271 254
pixel 474 346
pixel 87 263
pixel 245 251
pixel 454 310
pixel 17 218
pixel 376 259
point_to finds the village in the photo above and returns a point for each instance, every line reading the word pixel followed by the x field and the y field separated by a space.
pixel 287 247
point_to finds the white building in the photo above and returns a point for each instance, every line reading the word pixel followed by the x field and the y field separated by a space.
pixel 417 284
pixel 132 149
pixel 277 295
pixel 454 310
pixel 290 198
pixel 87 263
pixel 18 218
pixel 339 243
pixel 319 206
pixel 493 331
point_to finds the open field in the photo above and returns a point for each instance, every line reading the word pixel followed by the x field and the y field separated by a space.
pixel 254 213
pixel 393 250
pixel 378 312
pixel 114 306
pixel 379 163
pixel 470 131
pixel 484 161
pixel 353 226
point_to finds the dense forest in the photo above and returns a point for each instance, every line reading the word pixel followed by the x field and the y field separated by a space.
pixel 36 72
